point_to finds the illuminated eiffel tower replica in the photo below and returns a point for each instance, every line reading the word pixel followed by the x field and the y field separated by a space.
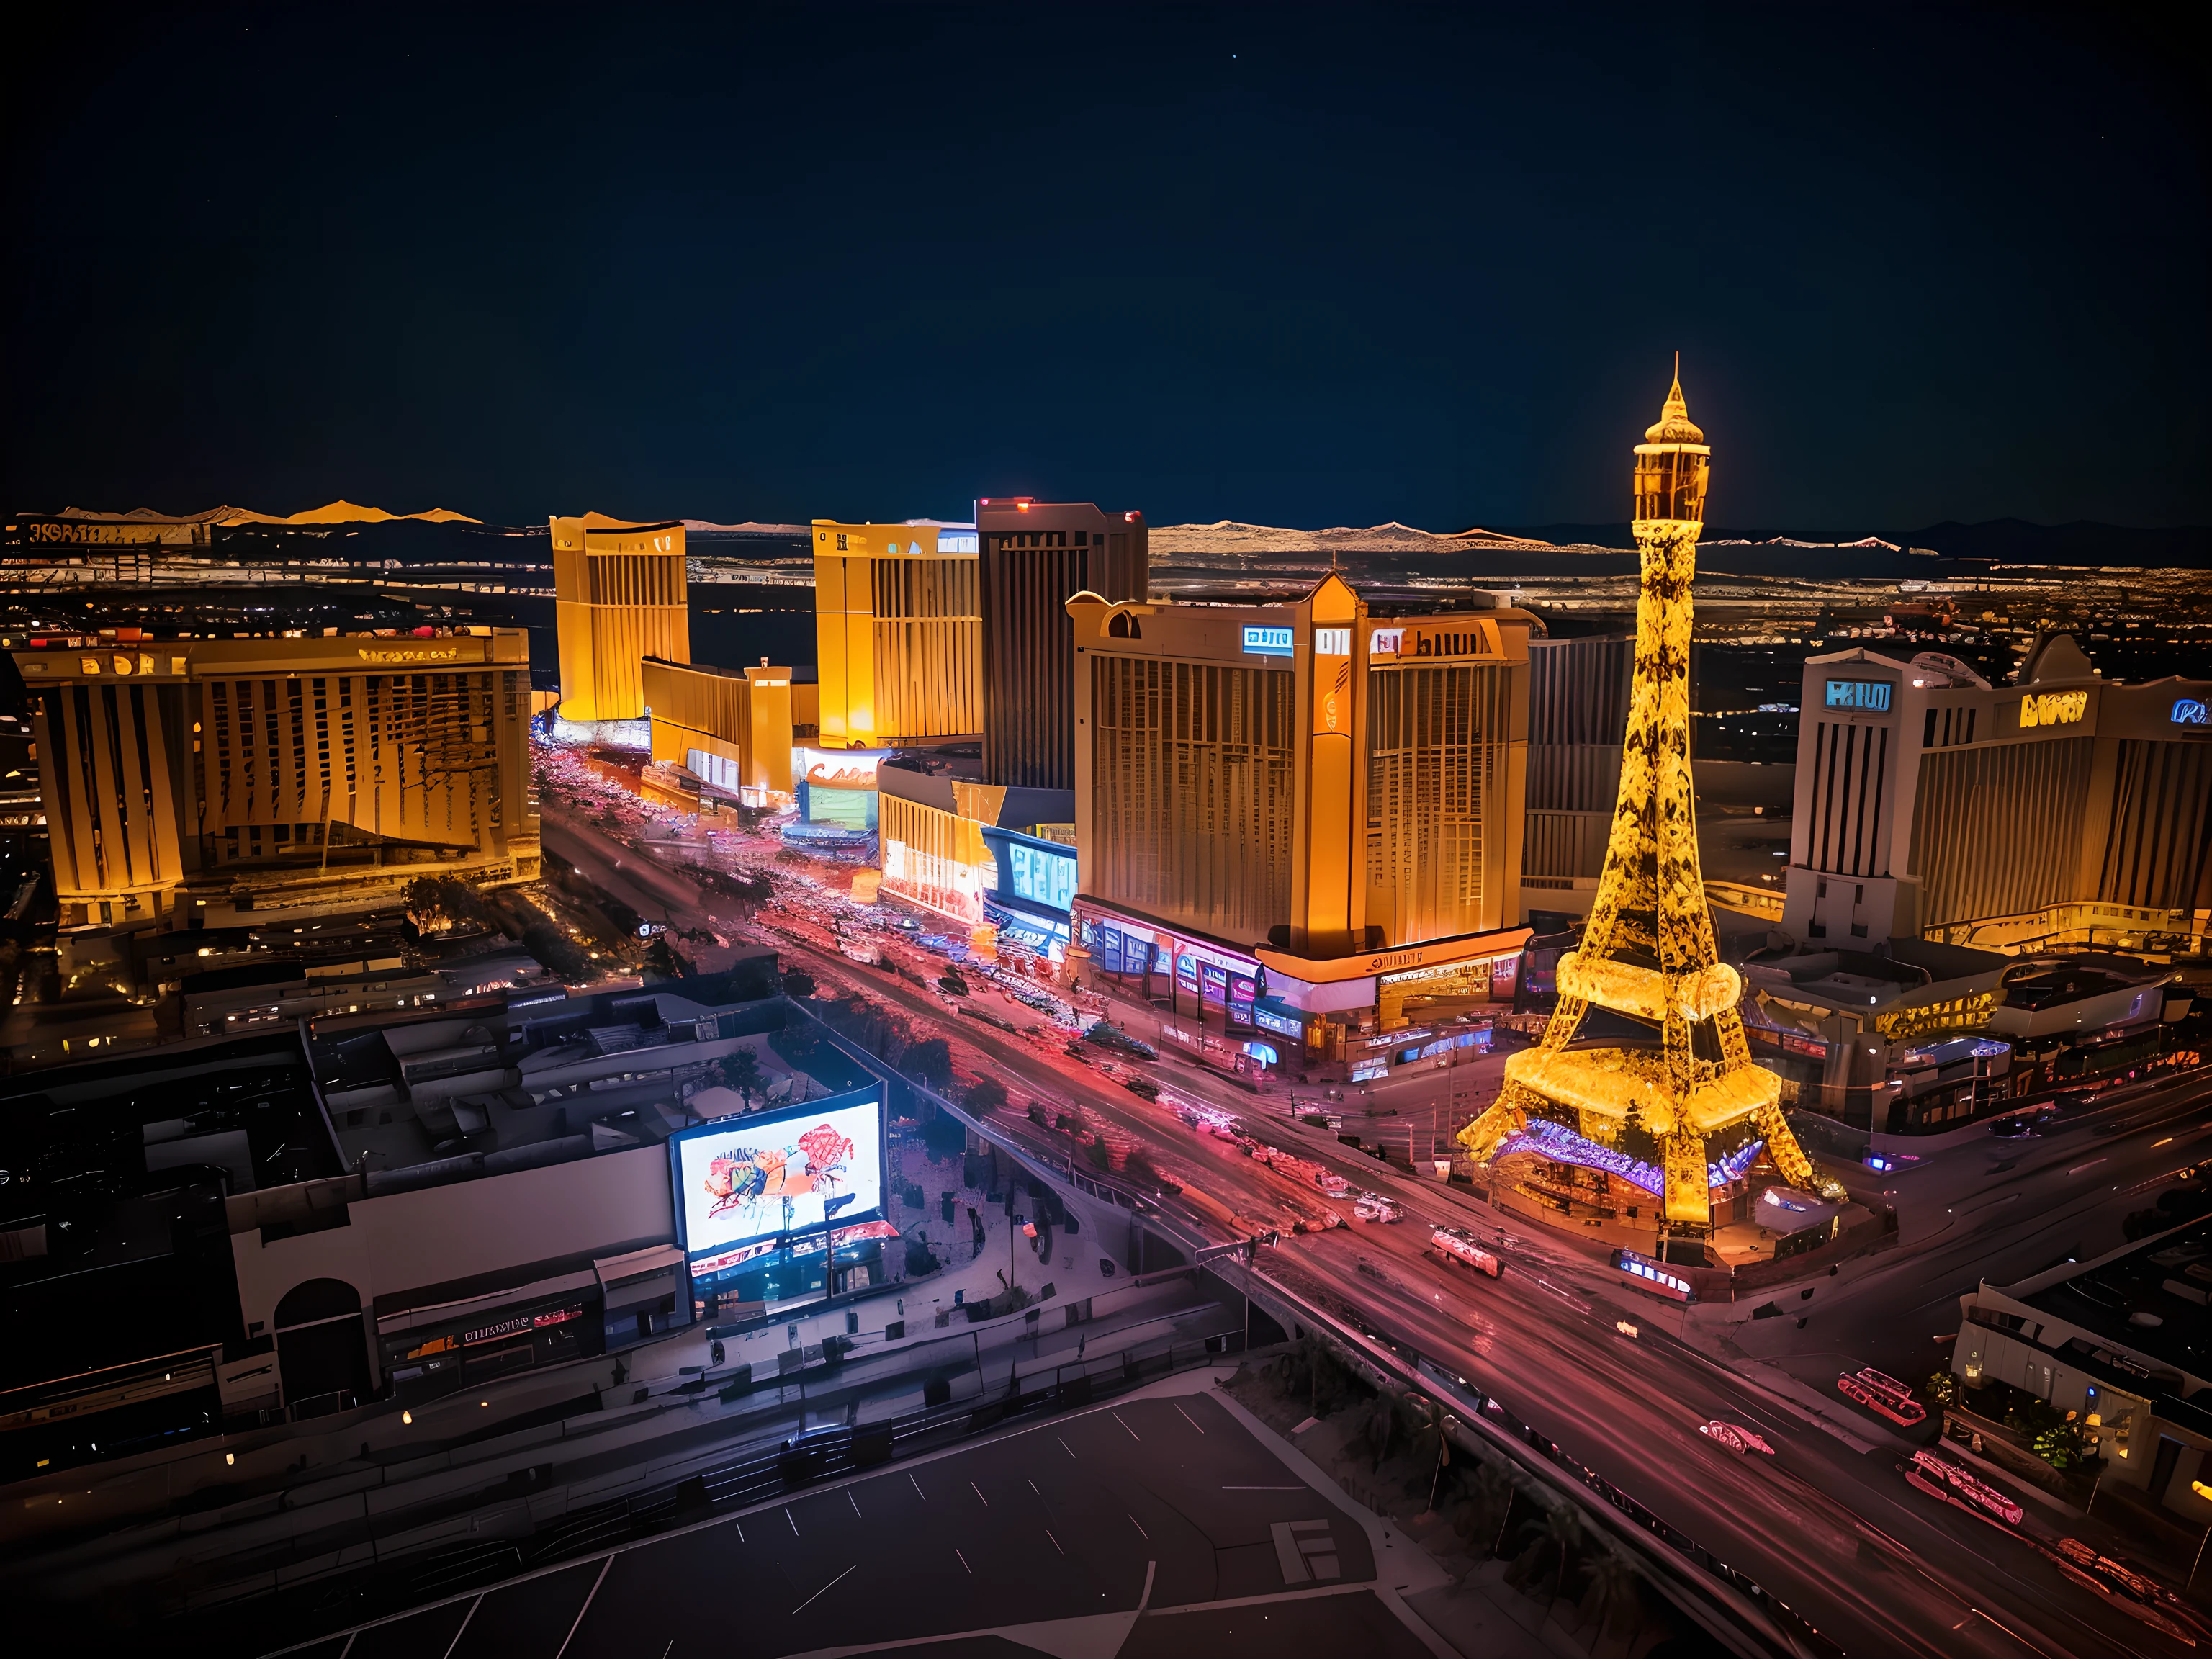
pixel 1647 951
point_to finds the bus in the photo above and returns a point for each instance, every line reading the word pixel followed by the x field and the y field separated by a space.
pixel 1885 1394
pixel 1457 1244
pixel 1947 1482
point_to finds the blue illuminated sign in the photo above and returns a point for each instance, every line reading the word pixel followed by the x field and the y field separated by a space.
pixel 1268 1020
pixel 1266 642
pixel 1871 695
pixel 1042 878
pixel 2188 711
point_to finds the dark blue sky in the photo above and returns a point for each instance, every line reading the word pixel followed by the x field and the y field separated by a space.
pixel 1303 267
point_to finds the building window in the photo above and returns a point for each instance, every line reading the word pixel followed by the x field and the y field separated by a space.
pixel 1815 930
pixel 1858 930
pixel 1820 890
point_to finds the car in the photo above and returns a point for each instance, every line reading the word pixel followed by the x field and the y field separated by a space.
pixel 1141 1088
pixel 807 1453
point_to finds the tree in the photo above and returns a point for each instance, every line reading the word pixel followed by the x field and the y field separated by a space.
pixel 1379 1426
pixel 986 1094
pixel 1432 1431
pixel 930 1061
pixel 1942 1386
pixel 1560 1531
pixel 558 954
pixel 1613 1586
pixel 741 1070
pixel 434 904
pixel 663 962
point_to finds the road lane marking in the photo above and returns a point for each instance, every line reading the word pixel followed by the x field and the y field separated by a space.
pixel 794 1525
pixel 1132 1434
pixel 825 1589
pixel 1055 1542
pixel 1033 1487
pixel 978 1491
pixel 1263 1489
pixel 2075 1170
pixel 1140 1526
pixel 1063 1446
pixel 963 1560
pixel 1188 1419
pixel 918 1492
pixel 855 1503
pixel 582 1611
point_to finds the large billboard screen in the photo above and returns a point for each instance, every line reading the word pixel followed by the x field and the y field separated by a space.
pixel 744 1183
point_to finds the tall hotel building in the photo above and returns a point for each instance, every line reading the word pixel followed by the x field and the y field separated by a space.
pixel 619 596
pixel 1300 818
pixel 1577 722
pixel 898 633
pixel 1036 555
pixel 268 772
pixel 1931 804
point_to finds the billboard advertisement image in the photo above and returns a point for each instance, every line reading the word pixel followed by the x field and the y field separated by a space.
pixel 742 1182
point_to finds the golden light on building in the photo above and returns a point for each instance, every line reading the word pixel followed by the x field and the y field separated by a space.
pixel 729 727
pixel 898 633
pixel 619 594
pixel 289 769
pixel 1648 950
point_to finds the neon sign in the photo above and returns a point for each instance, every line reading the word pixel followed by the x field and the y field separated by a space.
pixel 1871 695
pixel 1261 641
pixel 2189 711
pixel 2052 708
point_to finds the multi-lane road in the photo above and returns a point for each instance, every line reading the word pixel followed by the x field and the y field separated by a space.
pixel 1828 1524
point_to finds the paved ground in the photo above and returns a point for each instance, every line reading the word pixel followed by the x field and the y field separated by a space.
pixel 1160 1525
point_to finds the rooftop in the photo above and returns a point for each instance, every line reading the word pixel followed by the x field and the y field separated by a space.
pixel 2148 1299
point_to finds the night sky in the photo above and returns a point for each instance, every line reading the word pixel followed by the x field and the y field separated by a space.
pixel 1301 267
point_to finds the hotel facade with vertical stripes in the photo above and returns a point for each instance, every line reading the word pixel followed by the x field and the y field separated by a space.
pixel 279 770
pixel 2059 808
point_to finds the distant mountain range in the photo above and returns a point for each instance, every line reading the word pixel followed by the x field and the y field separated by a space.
pixel 2012 541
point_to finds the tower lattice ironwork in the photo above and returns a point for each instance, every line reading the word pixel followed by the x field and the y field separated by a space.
pixel 1647 951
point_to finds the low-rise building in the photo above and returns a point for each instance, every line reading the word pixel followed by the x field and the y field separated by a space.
pixel 330 1211
pixel 728 732
pixel 2116 1343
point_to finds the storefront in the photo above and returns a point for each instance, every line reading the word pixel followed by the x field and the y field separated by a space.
pixel 1034 897
pixel 1200 980
pixel 436 1347
pixel 1362 1016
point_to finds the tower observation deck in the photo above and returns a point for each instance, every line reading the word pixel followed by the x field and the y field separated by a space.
pixel 1647 952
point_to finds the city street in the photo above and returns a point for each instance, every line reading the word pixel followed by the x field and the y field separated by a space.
pixel 1829 1526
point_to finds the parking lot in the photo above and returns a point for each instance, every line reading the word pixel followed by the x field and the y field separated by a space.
pixel 1165 1506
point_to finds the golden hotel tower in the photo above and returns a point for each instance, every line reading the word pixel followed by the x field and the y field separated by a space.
pixel 619 596
pixel 898 633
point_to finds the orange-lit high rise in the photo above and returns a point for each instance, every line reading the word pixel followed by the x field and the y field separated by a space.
pixel 619 595
pixel 898 633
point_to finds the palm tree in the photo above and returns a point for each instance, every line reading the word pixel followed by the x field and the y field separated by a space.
pixel 1562 1529
pixel 1613 1585
pixel 1381 1427
pixel 1433 1426
pixel 1480 1519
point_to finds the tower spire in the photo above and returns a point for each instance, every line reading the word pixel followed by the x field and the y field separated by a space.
pixel 1675 425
